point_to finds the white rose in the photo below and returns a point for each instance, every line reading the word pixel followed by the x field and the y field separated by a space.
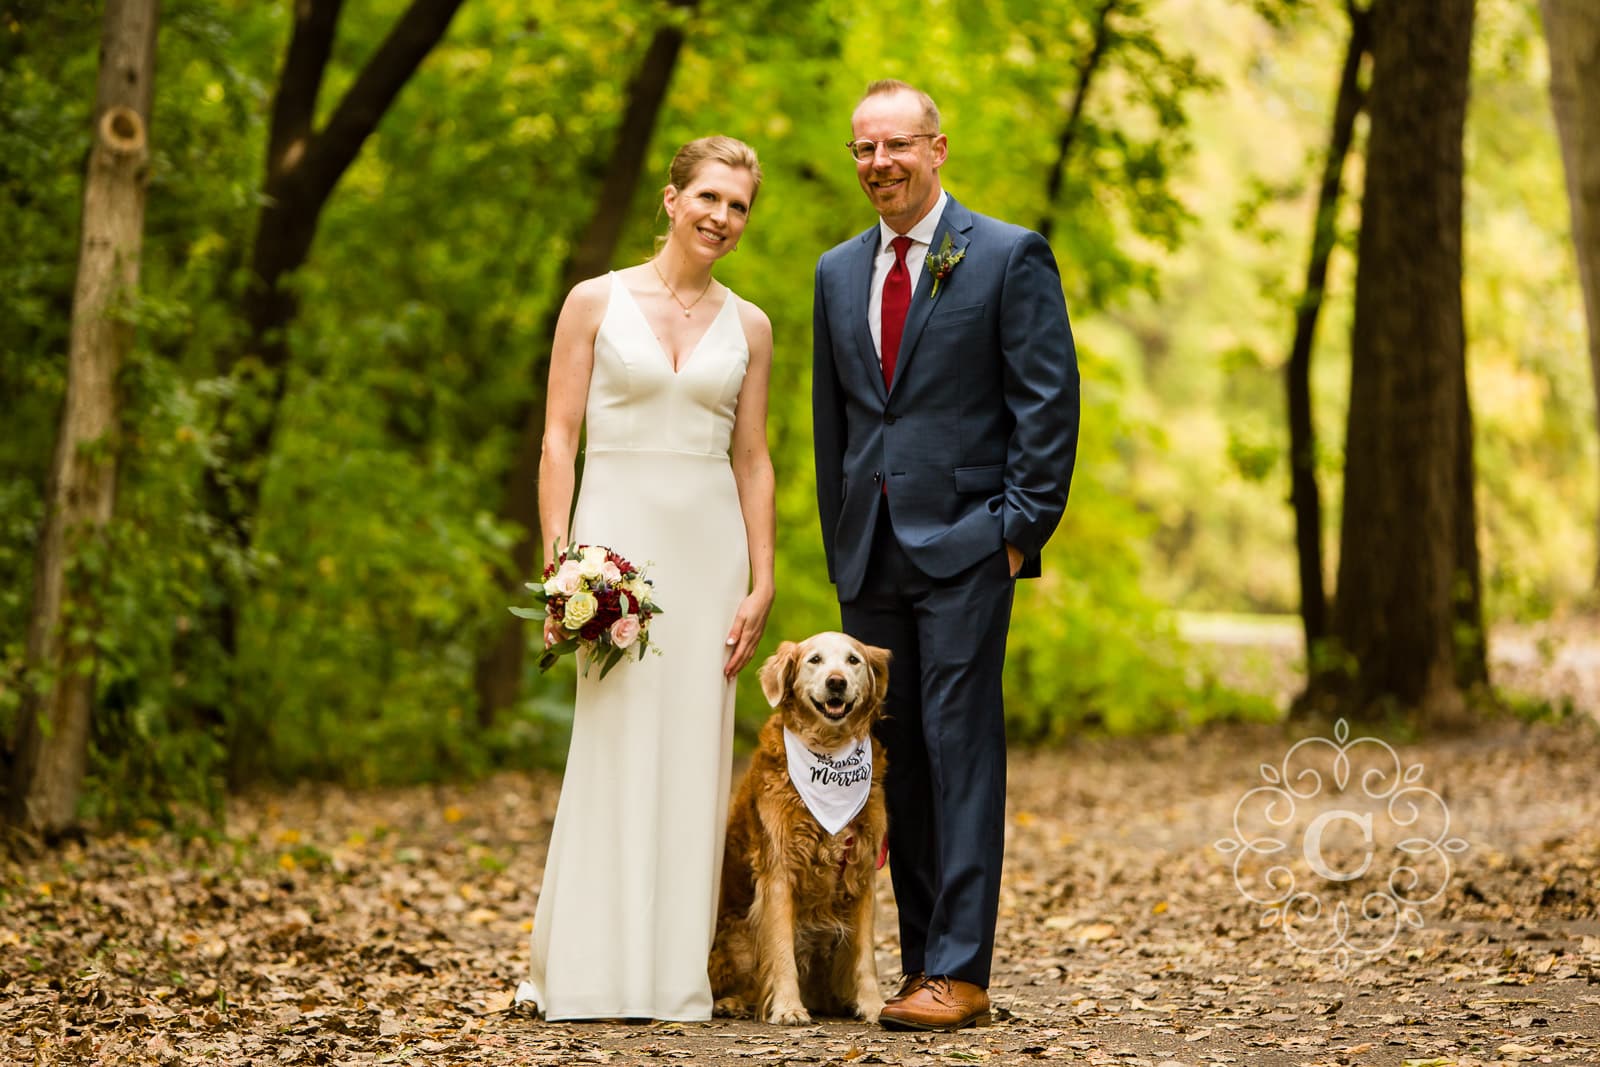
pixel 594 561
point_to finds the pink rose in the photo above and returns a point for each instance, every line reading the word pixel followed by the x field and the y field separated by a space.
pixel 567 579
pixel 609 573
pixel 625 631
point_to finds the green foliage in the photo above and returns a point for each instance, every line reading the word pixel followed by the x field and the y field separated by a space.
pixel 1179 228
pixel 1532 391
pixel 1090 647
pixel 1540 709
pixel 45 95
pixel 1209 354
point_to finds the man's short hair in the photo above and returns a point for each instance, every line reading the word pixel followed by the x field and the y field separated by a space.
pixel 889 86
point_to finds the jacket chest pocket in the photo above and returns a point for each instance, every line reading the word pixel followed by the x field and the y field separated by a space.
pixel 947 317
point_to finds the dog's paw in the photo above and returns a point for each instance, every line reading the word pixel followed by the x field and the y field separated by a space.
pixel 868 1007
pixel 789 1015
pixel 731 1008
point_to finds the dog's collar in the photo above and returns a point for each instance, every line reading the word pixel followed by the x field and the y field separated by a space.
pixel 833 785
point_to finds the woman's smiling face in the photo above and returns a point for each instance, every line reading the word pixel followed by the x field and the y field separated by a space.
pixel 709 214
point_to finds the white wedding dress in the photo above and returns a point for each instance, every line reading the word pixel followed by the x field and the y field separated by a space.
pixel 627 909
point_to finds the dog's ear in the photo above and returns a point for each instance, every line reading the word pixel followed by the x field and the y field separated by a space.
pixel 777 674
pixel 878 660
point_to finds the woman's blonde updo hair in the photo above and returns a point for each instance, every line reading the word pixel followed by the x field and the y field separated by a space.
pixel 716 149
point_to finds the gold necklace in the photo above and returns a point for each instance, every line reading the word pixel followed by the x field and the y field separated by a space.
pixel 690 305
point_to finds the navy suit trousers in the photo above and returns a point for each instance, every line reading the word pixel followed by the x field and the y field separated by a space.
pixel 944 734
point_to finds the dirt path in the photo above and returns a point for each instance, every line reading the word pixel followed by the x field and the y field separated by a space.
pixel 333 928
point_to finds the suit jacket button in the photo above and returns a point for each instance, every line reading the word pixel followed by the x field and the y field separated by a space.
pixel 888 419
pixel 877 476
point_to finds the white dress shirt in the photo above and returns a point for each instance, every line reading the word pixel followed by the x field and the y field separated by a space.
pixel 921 241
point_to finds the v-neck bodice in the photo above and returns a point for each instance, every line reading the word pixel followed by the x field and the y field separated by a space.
pixel 677 367
pixel 637 402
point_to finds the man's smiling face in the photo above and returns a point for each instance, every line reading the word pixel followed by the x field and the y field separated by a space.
pixel 902 187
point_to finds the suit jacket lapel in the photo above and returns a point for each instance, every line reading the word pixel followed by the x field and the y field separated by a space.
pixel 955 221
pixel 861 293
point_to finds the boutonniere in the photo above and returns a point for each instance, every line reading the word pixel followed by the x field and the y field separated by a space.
pixel 942 262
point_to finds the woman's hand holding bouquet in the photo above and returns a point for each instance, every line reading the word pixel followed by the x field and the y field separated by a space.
pixel 594 600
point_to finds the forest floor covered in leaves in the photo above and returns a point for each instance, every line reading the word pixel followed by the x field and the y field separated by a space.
pixel 329 927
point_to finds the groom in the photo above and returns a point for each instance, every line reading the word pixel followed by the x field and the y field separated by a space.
pixel 945 401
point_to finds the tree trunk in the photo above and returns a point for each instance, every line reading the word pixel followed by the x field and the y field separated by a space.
pixel 1400 539
pixel 497 675
pixel 1303 493
pixel 1472 642
pixel 1069 129
pixel 1572 28
pixel 53 723
pixel 304 166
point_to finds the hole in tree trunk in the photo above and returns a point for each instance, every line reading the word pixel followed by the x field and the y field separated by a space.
pixel 122 129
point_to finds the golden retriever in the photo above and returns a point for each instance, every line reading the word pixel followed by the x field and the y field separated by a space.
pixel 794 925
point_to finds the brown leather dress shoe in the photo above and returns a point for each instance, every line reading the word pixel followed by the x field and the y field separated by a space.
pixel 938 1003
pixel 909 984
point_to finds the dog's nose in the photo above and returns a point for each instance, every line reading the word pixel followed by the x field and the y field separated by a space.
pixel 836 684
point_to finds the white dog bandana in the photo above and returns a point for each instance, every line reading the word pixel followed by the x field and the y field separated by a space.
pixel 834 785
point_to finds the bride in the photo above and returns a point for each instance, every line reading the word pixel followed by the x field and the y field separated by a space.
pixel 668 370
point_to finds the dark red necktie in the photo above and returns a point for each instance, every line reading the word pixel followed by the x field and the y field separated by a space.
pixel 896 302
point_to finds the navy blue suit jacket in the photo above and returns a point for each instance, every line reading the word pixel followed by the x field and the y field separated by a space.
pixel 978 435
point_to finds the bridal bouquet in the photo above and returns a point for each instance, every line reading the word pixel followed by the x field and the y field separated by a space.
pixel 599 602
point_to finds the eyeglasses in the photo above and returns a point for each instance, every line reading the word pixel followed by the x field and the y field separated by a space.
pixel 898 145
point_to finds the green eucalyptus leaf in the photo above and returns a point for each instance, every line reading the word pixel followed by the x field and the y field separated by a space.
pixel 613 657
